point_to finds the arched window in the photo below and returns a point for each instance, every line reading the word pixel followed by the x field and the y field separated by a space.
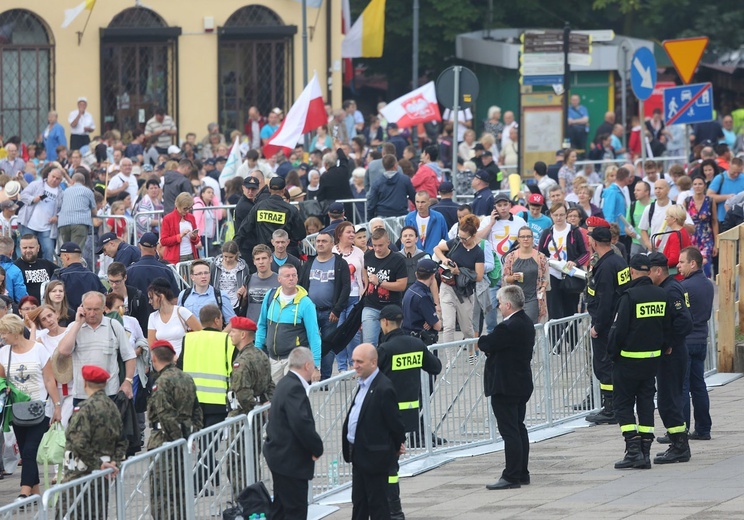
pixel 138 69
pixel 26 74
pixel 255 65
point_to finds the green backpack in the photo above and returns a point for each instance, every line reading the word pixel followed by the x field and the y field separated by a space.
pixel 494 275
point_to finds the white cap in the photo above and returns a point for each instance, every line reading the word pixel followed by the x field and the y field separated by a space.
pixel 82 98
pixel 173 150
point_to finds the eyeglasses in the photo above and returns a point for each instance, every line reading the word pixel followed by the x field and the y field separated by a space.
pixel 189 208
pixel 525 237
pixel 464 239
pixel 115 282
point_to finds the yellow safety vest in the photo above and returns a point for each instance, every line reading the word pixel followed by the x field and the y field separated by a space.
pixel 208 360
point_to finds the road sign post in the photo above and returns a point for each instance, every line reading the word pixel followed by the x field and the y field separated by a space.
pixel 688 104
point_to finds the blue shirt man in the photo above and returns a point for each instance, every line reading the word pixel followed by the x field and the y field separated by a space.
pixel 419 308
pixel 483 198
pixel 726 185
pixel 201 293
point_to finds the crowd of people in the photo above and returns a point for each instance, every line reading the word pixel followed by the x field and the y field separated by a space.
pixel 125 208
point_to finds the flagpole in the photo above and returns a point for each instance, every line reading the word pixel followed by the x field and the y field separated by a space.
pixel 81 33
pixel 304 63
pixel 415 53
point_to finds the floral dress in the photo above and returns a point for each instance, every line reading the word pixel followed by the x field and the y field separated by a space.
pixel 703 238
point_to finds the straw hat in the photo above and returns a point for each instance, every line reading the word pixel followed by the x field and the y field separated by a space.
pixel 12 188
pixel 61 367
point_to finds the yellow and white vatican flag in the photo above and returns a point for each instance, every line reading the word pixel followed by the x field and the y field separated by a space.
pixel 71 14
pixel 366 37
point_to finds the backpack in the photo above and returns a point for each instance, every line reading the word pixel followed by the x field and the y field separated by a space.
pixel 734 217
pixel 652 209
pixel 217 297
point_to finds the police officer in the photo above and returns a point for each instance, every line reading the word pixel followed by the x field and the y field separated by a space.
pixel 174 413
pixel 266 217
pixel 93 441
pixel 608 275
pixel 401 358
pixel 120 251
pixel 420 317
pixel 673 366
pixel 250 386
pixel 78 279
pixel 142 273
pixel 635 344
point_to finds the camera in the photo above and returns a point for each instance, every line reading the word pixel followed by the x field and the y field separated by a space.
pixel 451 263
pixel 446 274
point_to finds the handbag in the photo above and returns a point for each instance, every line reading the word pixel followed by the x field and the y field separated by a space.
pixel 51 449
pixel 570 284
pixel 27 413
pixel 444 272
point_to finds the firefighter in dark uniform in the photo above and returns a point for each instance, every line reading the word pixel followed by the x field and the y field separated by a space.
pixel 420 317
pixel 266 217
pixel 401 357
pixel 673 366
pixel 635 343
pixel 608 275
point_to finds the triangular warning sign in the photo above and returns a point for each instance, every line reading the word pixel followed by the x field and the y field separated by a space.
pixel 685 53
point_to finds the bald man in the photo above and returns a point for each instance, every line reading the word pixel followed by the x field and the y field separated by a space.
pixel 653 220
pixel 379 425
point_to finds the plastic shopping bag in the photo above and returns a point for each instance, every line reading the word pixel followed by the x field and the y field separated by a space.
pixel 11 453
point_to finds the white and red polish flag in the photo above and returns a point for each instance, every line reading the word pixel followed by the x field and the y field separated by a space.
pixel 417 107
pixel 307 114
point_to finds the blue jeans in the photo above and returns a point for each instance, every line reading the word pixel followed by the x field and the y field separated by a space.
pixel 326 329
pixel 45 241
pixel 343 357
pixel 694 385
pixel 371 325
pixel 492 317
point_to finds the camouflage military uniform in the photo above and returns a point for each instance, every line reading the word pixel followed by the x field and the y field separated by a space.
pixel 250 385
pixel 174 413
pixel 94 436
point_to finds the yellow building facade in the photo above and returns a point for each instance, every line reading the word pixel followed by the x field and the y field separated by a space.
pixel 203 61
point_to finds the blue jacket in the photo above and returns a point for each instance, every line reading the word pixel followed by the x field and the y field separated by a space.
pixel 127 254
pixel 78 280
pixel 14 280
pixel 141 273
pixel 614 205
pixel 483 202
pixel 55 138
pixel 699 291
pixel 282 328
pixel 436 231
pixel 389 196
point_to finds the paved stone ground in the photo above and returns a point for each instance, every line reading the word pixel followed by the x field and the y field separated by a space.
pixel 573 477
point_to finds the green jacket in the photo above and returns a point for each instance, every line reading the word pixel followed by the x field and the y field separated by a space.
pixel 16 396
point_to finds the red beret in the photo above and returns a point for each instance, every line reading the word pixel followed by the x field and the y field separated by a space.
pixel 596 222
pixel 238 322
pixel 95 374
pixel 163 343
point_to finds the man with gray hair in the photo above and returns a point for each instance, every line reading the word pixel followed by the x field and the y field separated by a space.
pixel 94 339
pixel 280 241
pixel 292 444
pixel 12 165
pixel 77 207
pixel 123 181
pixel 508 382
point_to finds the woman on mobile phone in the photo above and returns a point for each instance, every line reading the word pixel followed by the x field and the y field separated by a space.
pixel 180 236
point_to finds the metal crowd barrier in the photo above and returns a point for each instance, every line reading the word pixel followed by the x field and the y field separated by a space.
pixel 130 235
pixel 85 498
pixel 29 508
pixel 711 358
pixel 220 456
pixel 666 161
pixel 212 247
pixel 258 469
pixel 155 484
pixel 144 228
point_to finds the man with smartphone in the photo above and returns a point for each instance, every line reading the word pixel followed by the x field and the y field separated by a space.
pixel 38 216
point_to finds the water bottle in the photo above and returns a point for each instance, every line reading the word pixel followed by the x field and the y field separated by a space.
pixel 333 473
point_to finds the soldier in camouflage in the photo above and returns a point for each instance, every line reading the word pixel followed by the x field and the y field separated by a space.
pixel 250 385
pixel 94 441
pixel 174 413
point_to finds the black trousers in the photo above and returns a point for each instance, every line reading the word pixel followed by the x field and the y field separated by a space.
pixel 369 495
pixel 602 364
pixel 290 497
pixel 634 389
pixel 671 379
pixel 78 141
pixel 29 438
pixel 510 420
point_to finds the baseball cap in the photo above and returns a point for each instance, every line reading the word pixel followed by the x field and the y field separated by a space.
pixel 446 187
pixel 277 183
pixel 657 259
pixel 250 182
pixel 483 175
pixel 149 239
pixel 277 110
pixel 640 262
pixel 173 150
pixel 391 312
pixel 304 166
pixel 487 153
pixel 8 204
pixel 359 228
pixel 70 247
pixel 536 199
pixel 219 159
pixel 211 161
pixel 82 98
pixel 479 146
pixel 501 197
pixel 601 234
pixel 336 208
pixel 147 168
pixel 427 265
pixel 105 239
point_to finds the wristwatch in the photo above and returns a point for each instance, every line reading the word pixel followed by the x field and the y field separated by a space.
pixel 57 404
pixel 129 380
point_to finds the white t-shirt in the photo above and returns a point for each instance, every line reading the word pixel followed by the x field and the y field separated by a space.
pixel 44 210
pixel 463 116
pixel 86 120
pixel 423 226
pixel 120 180
pixel 355 259
pixel 503 233
pixel 557 249
pixel 173 330
pixel 26 370
pixel 51 343
pixel 659 220
pixel 185 241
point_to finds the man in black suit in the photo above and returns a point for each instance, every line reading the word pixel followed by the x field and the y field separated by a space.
pixel 292 445
pixel 508 381
pixel 373 436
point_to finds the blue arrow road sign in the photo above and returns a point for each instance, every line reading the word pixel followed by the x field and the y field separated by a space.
pixel 688 104
pixel 643 73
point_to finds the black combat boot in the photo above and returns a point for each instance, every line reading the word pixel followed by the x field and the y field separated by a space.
pixel 606 415
pixel 586 404
pixel 646 450
pixel 679 450
pixel 633 455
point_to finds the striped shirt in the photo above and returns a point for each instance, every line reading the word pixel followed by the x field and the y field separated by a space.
pixel 76 204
